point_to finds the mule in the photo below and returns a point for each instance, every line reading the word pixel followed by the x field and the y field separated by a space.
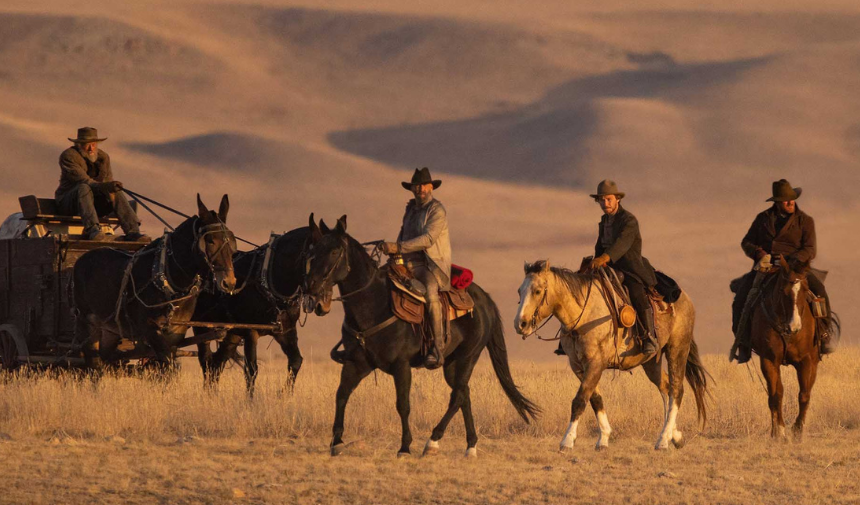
pixel 594 344
pixel 782 332
pixel 269 292
pixel 140 296
pixel 373 338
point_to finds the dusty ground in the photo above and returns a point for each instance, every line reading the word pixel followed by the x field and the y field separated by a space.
pixel 129 440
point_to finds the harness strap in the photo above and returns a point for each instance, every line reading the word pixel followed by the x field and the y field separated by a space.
pixel 361 335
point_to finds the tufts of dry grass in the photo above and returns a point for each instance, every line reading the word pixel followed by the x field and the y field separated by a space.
pixel 36 405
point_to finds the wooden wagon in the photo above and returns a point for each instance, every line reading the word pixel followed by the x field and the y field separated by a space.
pixel 38 250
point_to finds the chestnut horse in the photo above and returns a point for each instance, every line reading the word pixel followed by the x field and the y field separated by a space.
pixel 783 333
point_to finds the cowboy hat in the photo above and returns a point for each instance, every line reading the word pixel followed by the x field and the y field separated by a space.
pixel 421 176
pixel 607 187
pixel 87 135
pixel 783 192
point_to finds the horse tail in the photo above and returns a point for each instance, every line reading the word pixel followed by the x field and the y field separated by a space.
pixel 499 356
pixel 697 376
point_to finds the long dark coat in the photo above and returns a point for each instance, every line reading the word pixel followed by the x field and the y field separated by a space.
pixel 625 253
pixel 75 169
pixel 796 239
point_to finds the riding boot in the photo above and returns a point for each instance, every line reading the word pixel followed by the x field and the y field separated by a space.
pixel 742 334
pixel 648 338
pixel 560 350
pixel 435 355
pixel 825 341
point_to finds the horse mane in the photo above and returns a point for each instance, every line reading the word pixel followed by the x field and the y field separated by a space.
pixel 573 281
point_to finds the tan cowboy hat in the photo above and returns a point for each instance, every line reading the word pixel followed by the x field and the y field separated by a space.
pixel 87 135
pixel 607 187
pixel 783 192
pixel 421 176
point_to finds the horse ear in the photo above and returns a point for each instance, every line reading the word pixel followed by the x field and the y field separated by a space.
pixel 341 224
pixel 202 211
pixel 223 209
pixel 316 234
pixel 324 227
pixel 546 266
pixel 526 267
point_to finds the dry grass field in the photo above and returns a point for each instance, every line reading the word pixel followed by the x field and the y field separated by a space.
pixel 130 440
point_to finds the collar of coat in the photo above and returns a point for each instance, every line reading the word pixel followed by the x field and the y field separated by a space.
pixel 414 204
pixel 619 215
pixel 773 214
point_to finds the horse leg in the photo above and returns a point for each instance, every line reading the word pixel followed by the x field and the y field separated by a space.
pixel 402 373
pixel 86 332
pixel 204 357
pixel 600 414
pixel 806 373
pixel 251 367
pixel 221 356
pixel 350 376
pixel 454 402
pixel 587 386
pixel 770 370
pixel 676 362
pixel 289 342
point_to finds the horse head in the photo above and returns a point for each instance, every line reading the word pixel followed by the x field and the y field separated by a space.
pixel 533 293
pixel 327 264
pixel 792 283
pixel 216 244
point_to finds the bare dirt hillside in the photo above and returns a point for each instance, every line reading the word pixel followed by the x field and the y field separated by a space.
pixel 299 107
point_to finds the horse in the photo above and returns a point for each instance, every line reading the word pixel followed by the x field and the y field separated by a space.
pixel 373 338
pixel 269 279
pixel 593 343
pixel 143 295
pixel 783 333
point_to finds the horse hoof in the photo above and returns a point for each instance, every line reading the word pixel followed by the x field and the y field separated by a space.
pixel 472 453
pixel 679 444
pixel 337 450
pixel 661 447
pixel 431 449
pixel 565 449
pixel 403 454
pixel 601 448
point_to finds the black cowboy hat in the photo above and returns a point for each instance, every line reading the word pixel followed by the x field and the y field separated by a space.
pixel 87 135
pixel 421 176
pixel 607 187
pixel 783 192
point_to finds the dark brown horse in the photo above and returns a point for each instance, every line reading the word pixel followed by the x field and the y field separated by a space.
pixel 783 333
pixel 269 278
pixel 374 338
pixel 139 296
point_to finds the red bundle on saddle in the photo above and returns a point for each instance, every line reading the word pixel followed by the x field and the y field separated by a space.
pixel 461 278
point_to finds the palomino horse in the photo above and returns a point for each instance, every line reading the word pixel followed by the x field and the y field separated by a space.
pixel 783 333
pixel 593 344
pixel 141 295
pixel 373 337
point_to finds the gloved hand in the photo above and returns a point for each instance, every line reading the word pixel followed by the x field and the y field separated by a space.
pixel 110 186
pixel 389 248
pixel 764 264
pixel 760 253
pixel 600 261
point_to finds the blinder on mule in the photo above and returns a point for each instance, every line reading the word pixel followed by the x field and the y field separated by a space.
pixel 229 238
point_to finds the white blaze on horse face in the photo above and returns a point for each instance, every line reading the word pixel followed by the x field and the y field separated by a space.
pixel 524 322
pixel 795 316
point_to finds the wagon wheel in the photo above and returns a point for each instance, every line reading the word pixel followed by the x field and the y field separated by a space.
pixel 8 351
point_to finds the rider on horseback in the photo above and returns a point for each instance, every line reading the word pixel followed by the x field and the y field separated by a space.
pixel 619 245
pixel 426 248
pixel 782 230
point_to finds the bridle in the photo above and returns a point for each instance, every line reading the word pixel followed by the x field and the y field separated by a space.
pixel 228 238
pixel 545 302
pixel 327 279
pixel 778 321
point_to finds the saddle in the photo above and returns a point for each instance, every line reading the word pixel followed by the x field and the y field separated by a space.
pixel 408 296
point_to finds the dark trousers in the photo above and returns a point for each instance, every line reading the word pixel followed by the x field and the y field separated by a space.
pixel 639 299
pixel 815 285
pixel 91 205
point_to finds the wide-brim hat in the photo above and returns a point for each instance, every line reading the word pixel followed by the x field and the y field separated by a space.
pixel 783 192
pixel 421 176
pixel 607 187
pixel 87 135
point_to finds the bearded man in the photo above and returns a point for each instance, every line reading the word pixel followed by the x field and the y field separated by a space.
pixel 619 245
pixel 782 230
pixel 87 188
pixel 425 245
